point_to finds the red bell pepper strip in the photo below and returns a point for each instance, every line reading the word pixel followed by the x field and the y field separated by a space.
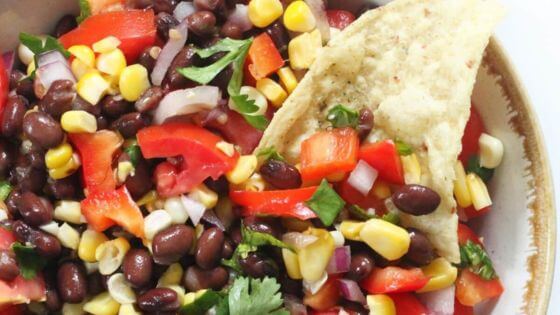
pixel 4 86
pixel 326 297
pixel 329 152
pixel 461 309
pixel 465 234
pixel 263 57
pixel 96 153
pixel 471 289
pixel 104 209
pixel 135 29
pixel 282 203
pixel 340 18
pixel 473 130
pixel 408 304
pixel 394 280
pixel 197 146
pixel 383 156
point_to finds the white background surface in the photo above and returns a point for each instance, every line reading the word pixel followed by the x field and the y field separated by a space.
pixel 531 37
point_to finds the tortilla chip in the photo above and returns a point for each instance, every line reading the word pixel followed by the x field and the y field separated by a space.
pixel 414 63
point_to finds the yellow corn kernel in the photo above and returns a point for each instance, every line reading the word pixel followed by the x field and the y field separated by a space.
pixel 411 168
pixel 68 236
pixel 110 255
pixel 31 67
pixel 297 225
pixel 292 264
pixel 226 147
pixel 263 12
pixel 381 190
pixel 84 54
pixel 314 258
pixel 68 211
pixel 78 121
pixel 244 168
pixel 150 197
pixel 171 276
pixel 67 169
pixel 387 239
pixel 105 45
pixel 102 304
pixel 123 170
pixel 92 87
pixel 254 183
pixel 303 49
pixel 351 229
pixel 272 91
pixel 298 17
pixel 479 192
pixel 205 196
pixel 288 79
pixel 189 298
pixel 79 68
pixel 460 188
pixel 88 244
pixel 25 54
pixel 381 304
pixel 133 82
pixel 491 151
pixel 111 63
pixel 58 156
pixel 441 273
pixel 128 309
pixel 113 84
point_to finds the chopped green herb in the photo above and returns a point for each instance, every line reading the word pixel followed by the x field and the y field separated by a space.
pixel 134 153
pixel 29 261
pixel 361 213
pixel 269 153
pixel 255 296
pixel 403 148
pixel 342 116
pixel 202 303
pixel 473 166
pixel 204 75
pixel 257 239
pixel 241 252
pixel 476 259
pixel 326 203
pixel 5 189
pixel 36 45
pixel 85 11
pixel 391 217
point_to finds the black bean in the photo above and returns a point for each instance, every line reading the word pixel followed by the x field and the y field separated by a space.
pixel 208 5
pixel 34 210
pixel 169 245
pixel 222 79
pixel 72 282
pixel 59 98
pixel 227 249
pixel 129 124
pixel 220 185
pixel 197 279
pixel 37 159
pixel 137 267
pixel 149 100
pixel 141 182
pixel 280 174
pixel 27 177
pixel 11 203
pixel 8 265
pixel 361 266
pixel 42 130
pixel 52 301
pixel 209 248
pixel 416 199
pixel 264 225
pixel 81 104
pixel 159 300
pixel 64 188
pixel 65 25
pixel 102 122
pixel 366 123
pixel 96 283
pixel 22 84
pixel 231 30
pixel 420 250
pixel 114 106
pixel 7 156
pixel 146 59
pixel 279 36
pixel 165 22
pixel 202 23
pixel 257 266
pixel 46 245
pixel 173 79
pixel 165 5
pixel 290 286
pixel 12 119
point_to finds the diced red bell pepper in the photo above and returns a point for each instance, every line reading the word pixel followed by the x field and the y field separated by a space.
pixel 471 289
pixel 471 212
pixel 104 209
pixel 248 78
pixel 473 130
pixel 354 197
pixel 197 146
pixel 461 309
pixel 96 153
pixel 282 203
pixel 4 86
pixel 408 304
pixel 238 131
pixel 7 238
pixel 135 29
pixel 394 280
pixel 383 156
pixel 329 152
pixel 326 297
pixel 340 18
pixel 264 57
pixel 465 233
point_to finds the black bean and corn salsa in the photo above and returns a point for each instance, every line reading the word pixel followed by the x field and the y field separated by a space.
pixel 130 184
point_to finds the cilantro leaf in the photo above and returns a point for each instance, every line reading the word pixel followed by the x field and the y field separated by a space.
pixel 257 239
pixel 258 122
pixel 244 105
pixel 241 252
pixel 476 259
pixel 5 189
pixel 85 11
pixel 361 213
pixel 326 203
pixel 36 45
pixel 256 296
pixel 204 75
pixel 237 77
pixel 133 152
pixel 403 148
pixel 391 217
pixel 226 44
pixel 29 261
pixel 473 166
pixel 341 116
pixel 269 153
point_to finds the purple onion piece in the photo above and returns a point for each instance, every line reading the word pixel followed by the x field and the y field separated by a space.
pixel 340 260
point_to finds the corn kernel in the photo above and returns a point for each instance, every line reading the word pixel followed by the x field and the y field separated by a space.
pixel 441 273
pixel 204 195
pixel 110 255
pixel 226 147
pixel 338 238
pixel 58 156
pixel 31 67
pixel 73 309
pixel 51 227
pixel 314 258
pixel 245 167
pixel 254 183
pixel 88 244
pixel 411 168
pixel 263 12
pixel 68 236
pixel 120 289
pixel 381 190
pixel 189 298
pixel 171 276
pixel 92 87
pixel 155 222
pixel 479 192
pixel 177 212
pixel 78 121
pixel 288 79
pixel 381 304
pixel 491 151
pixel 272 91
pixel 351 229
pixel 84 54
pixel 387 239
pixel 148 198
pixel 111 63
pixel 102 304
pixel 133 82
pixel 68 211
pixel 105 45
pixel 25 54
pixel 292 264
pixel 298 17
pixel 303 49
pixel 460 188
pixel 128 309
pixel 79 68
pixel 113 84
pixel 68 169
pixel 124 169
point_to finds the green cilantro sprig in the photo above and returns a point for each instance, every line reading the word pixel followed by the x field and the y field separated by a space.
pixel 134 153
pixel 341 116
pixel 255 296
pixel 403 148
pixel 85 11
pixel 5 189
pixel 326 203
pixel 269 153
pixel 476 259
pixel 364 215
pixel 29 261
pixel 37 46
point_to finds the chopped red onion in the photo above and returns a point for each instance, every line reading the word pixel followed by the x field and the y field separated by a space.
pixel 363 177
pixel 294 305
pixel 9 58
pixel 240 17
pixel 351 291
pixel 440 302
pixel 187 101
pixel 183 9
pixel 47 74
pixel 319 11
pixel 50 57
pixel 211 217
pixel 194 208
pixel 169 51
pixel 299 240
pixel 340 260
